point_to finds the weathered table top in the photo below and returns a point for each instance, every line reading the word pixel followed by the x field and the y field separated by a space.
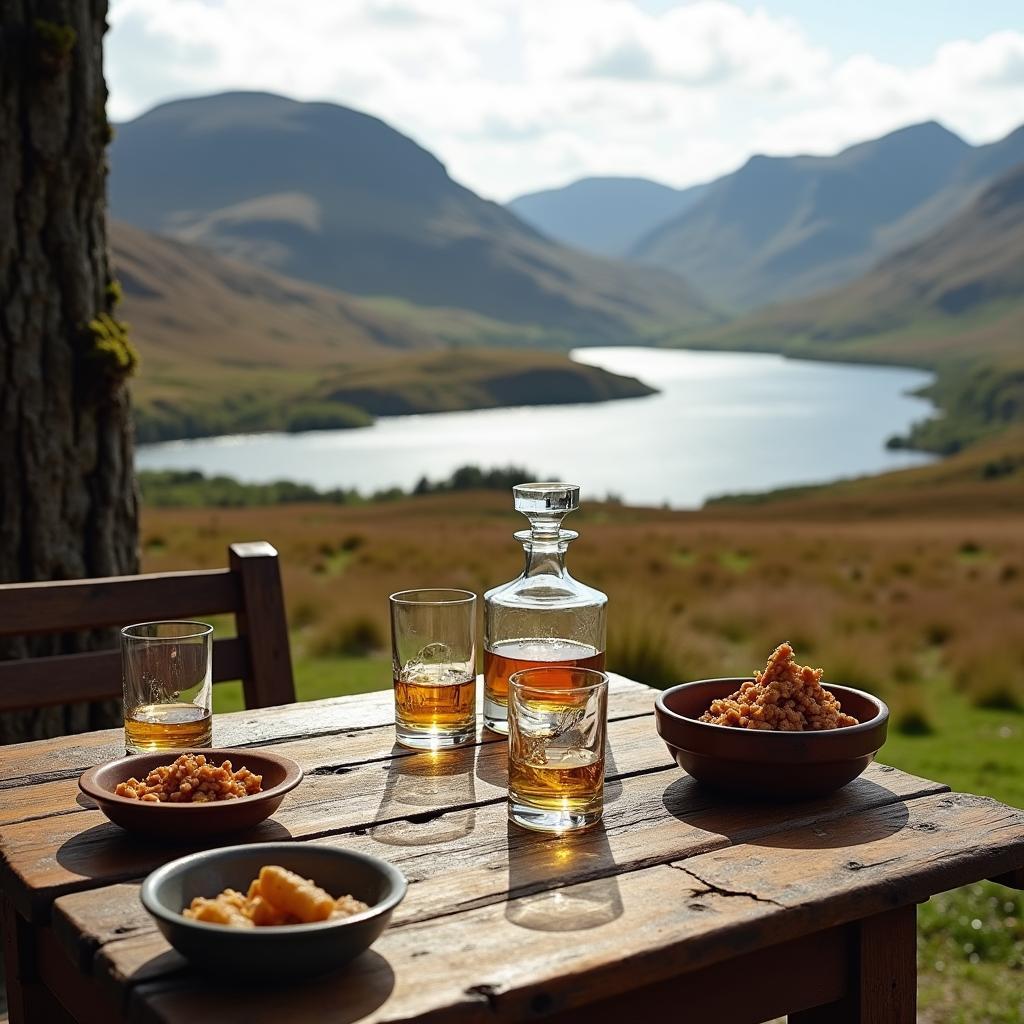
pixel 498 923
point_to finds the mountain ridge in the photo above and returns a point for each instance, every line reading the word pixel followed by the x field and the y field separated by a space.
pixel 786 227
pixel 605 215
pixel 337 197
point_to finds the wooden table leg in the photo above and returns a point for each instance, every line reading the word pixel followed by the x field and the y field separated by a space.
pixel 28 1000
pixel 883 974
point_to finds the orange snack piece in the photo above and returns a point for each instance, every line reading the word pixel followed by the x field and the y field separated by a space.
pixel 785 696
pixel 294 894
pixel 221 910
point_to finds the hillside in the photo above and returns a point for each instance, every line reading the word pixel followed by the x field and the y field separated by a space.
pixel 787 227
pixel 227 347
pixel 954 302
pixel 606 216
pixel 336 197
pixel 476 379
pixel 986 479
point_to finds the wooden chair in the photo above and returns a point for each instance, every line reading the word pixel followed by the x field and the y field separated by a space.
pixel 250 588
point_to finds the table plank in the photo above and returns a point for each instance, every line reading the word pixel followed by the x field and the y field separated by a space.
pixel 474 858
pixel 68 756
pixel 47 857
pixel 506 961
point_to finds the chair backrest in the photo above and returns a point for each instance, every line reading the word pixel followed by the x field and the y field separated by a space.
pixel 250 588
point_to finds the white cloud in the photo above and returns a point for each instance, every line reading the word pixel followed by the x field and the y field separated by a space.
pixel 522 94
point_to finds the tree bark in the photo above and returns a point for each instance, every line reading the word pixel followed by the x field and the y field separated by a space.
pixel 68 504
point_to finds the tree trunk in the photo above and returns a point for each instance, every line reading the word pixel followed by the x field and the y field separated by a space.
pixel 68 505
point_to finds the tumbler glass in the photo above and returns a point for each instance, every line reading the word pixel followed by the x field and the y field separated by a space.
pixel 433 653
pixel 557 719
pixel 166 675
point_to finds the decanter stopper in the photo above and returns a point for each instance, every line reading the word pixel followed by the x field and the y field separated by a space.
pixel 546 504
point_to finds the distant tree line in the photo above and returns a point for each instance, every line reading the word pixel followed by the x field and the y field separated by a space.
pixel 473 478
pixel 184 488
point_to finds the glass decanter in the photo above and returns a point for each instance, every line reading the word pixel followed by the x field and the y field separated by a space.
pixel 545 617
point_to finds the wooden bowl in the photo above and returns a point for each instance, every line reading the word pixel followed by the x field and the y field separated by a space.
pixel 190 822
pixel 767 764
pixel 281 952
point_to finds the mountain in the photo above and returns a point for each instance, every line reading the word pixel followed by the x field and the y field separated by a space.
pixel 607 216
pixel 786 227
pixel 226 347
pixel 973 265
pixel 953 302
pixel 336 197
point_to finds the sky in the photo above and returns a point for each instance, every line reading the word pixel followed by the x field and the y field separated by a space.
pixel 519 95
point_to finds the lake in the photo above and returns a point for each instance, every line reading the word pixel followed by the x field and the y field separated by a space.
pixel 722 422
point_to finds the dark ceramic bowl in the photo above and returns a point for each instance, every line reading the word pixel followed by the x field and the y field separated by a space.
pixel 768 764
pixel 282 953
pixel 191 822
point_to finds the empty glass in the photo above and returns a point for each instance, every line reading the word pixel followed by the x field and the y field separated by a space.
pixel 433 653
pixel 557 720
pixel 166 675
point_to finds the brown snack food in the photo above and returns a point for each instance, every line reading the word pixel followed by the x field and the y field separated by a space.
pixel 190 779
pixel 277 897
pixel 785 696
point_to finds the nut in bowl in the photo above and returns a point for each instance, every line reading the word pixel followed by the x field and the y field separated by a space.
pixel 780 735
pixel 364 892
pixel 189 795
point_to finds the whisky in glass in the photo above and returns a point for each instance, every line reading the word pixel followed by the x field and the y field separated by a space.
pixel 557 727
pixel 433 649
pixel 167 686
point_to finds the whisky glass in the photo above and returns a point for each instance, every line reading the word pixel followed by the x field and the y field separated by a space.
pixel 557 721
pixel 167 685
pixel 433 655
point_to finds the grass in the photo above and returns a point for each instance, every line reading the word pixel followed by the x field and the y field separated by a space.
pixel 911 586
pixel 319 677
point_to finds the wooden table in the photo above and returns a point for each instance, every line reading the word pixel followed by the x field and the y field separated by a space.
pixel 710 909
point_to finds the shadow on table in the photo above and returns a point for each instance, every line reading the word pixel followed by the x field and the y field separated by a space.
pixel 432 796
pixel 346 995
pixel 861 812
pixel 492 759
pixel 109 851
pixel 537 861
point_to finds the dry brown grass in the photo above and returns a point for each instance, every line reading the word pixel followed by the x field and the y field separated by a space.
pixel 887 604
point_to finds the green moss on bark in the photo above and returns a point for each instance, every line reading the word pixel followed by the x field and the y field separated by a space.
pixel 109 354
pixel 54 44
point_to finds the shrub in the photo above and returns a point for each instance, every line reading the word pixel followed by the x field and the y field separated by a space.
pixel 351 637
pixel 913 721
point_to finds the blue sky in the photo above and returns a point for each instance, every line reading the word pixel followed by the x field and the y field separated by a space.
pixel 897 30
pixel 515 95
